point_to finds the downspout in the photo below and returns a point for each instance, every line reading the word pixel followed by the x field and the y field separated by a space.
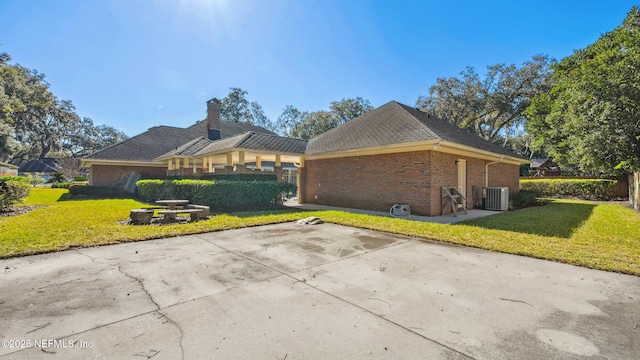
pixel 486 171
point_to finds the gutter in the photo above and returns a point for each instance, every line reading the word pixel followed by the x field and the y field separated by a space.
pixel 486 171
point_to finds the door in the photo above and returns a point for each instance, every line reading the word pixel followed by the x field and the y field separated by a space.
pixel 462 177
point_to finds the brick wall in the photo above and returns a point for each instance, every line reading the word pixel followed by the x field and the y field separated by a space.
pixel 505 175
pixel 377 182
pixel 122 176
pixel 369 182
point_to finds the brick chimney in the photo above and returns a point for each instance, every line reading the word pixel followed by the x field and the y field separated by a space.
pixel 213 119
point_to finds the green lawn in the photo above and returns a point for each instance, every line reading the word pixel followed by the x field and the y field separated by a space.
pixel 601 236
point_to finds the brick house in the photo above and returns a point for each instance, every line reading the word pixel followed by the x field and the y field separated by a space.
pixel 209 146
pixel 42 168
pixel 544 167
pixel 393 154
pixel 399 154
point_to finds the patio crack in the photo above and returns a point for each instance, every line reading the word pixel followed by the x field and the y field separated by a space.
pixel 144 289
pixel 158 308
pixel 94 260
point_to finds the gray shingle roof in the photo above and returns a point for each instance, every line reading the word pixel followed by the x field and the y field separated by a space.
pixel 395 123
pixel 267 142
pixel 46 165
pixel 249 140
pixel 159 140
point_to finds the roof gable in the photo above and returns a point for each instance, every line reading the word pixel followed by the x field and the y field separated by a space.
pixel 159 140
pixel 46 165
pixel 392 124
pixel 386 125
pixel 537 163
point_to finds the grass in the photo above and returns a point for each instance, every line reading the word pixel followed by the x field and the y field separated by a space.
pixel 600 236
pixel 65 223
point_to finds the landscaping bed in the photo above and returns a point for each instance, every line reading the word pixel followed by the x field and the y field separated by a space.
pixel 17 210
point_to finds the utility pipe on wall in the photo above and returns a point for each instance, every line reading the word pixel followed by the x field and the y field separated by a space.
pixel 486 171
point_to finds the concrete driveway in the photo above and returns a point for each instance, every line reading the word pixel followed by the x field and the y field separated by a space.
pixel 292 291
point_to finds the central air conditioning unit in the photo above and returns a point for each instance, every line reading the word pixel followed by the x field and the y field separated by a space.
pixel 400 210
pixel 495 198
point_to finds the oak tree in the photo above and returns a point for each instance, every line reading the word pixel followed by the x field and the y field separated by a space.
pixel 491 107
pixel 589 120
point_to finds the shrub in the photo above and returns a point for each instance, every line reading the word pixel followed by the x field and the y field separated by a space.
pixel 13 189
pixel 61 185
pixel 66 185
pixel 525 198
pixel 587 189
pixel 97 191
pixel 80 178
pixel 35 179
pixel 57 177
pixel 152 190
pixel 220 195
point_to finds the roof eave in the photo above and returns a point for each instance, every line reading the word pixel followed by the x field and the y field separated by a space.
pixel 88 162
pixel 434 145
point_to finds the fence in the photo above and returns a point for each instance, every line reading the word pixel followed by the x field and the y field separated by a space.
pixel 634 190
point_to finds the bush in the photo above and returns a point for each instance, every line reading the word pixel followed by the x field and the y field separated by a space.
pixel 35 179
pixel 80 178
pixel 66 185
pixel 152 190
pixel 221 196
pixel 13 189
pixel 587 189
pixel 57 177
pixel 525 198
pixel 61 185
pixel 97 191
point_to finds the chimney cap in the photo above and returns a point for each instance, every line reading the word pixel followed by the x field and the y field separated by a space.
pixel 214 100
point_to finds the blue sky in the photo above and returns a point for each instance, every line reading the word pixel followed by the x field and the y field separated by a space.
pixel 134 64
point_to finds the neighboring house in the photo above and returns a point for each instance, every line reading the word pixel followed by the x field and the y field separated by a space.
pixel 165 150
pixel 399 154
pixel 39 167
pixel 8 169
pixel 544 167
pixel 393 154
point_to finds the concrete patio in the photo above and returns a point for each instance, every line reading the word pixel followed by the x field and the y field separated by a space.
pixel 290 291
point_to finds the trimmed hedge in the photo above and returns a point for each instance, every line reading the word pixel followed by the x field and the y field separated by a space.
pixel 97 191
pixel 13 189
pixel 587 189
pixel 66 185
pixel 220 195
